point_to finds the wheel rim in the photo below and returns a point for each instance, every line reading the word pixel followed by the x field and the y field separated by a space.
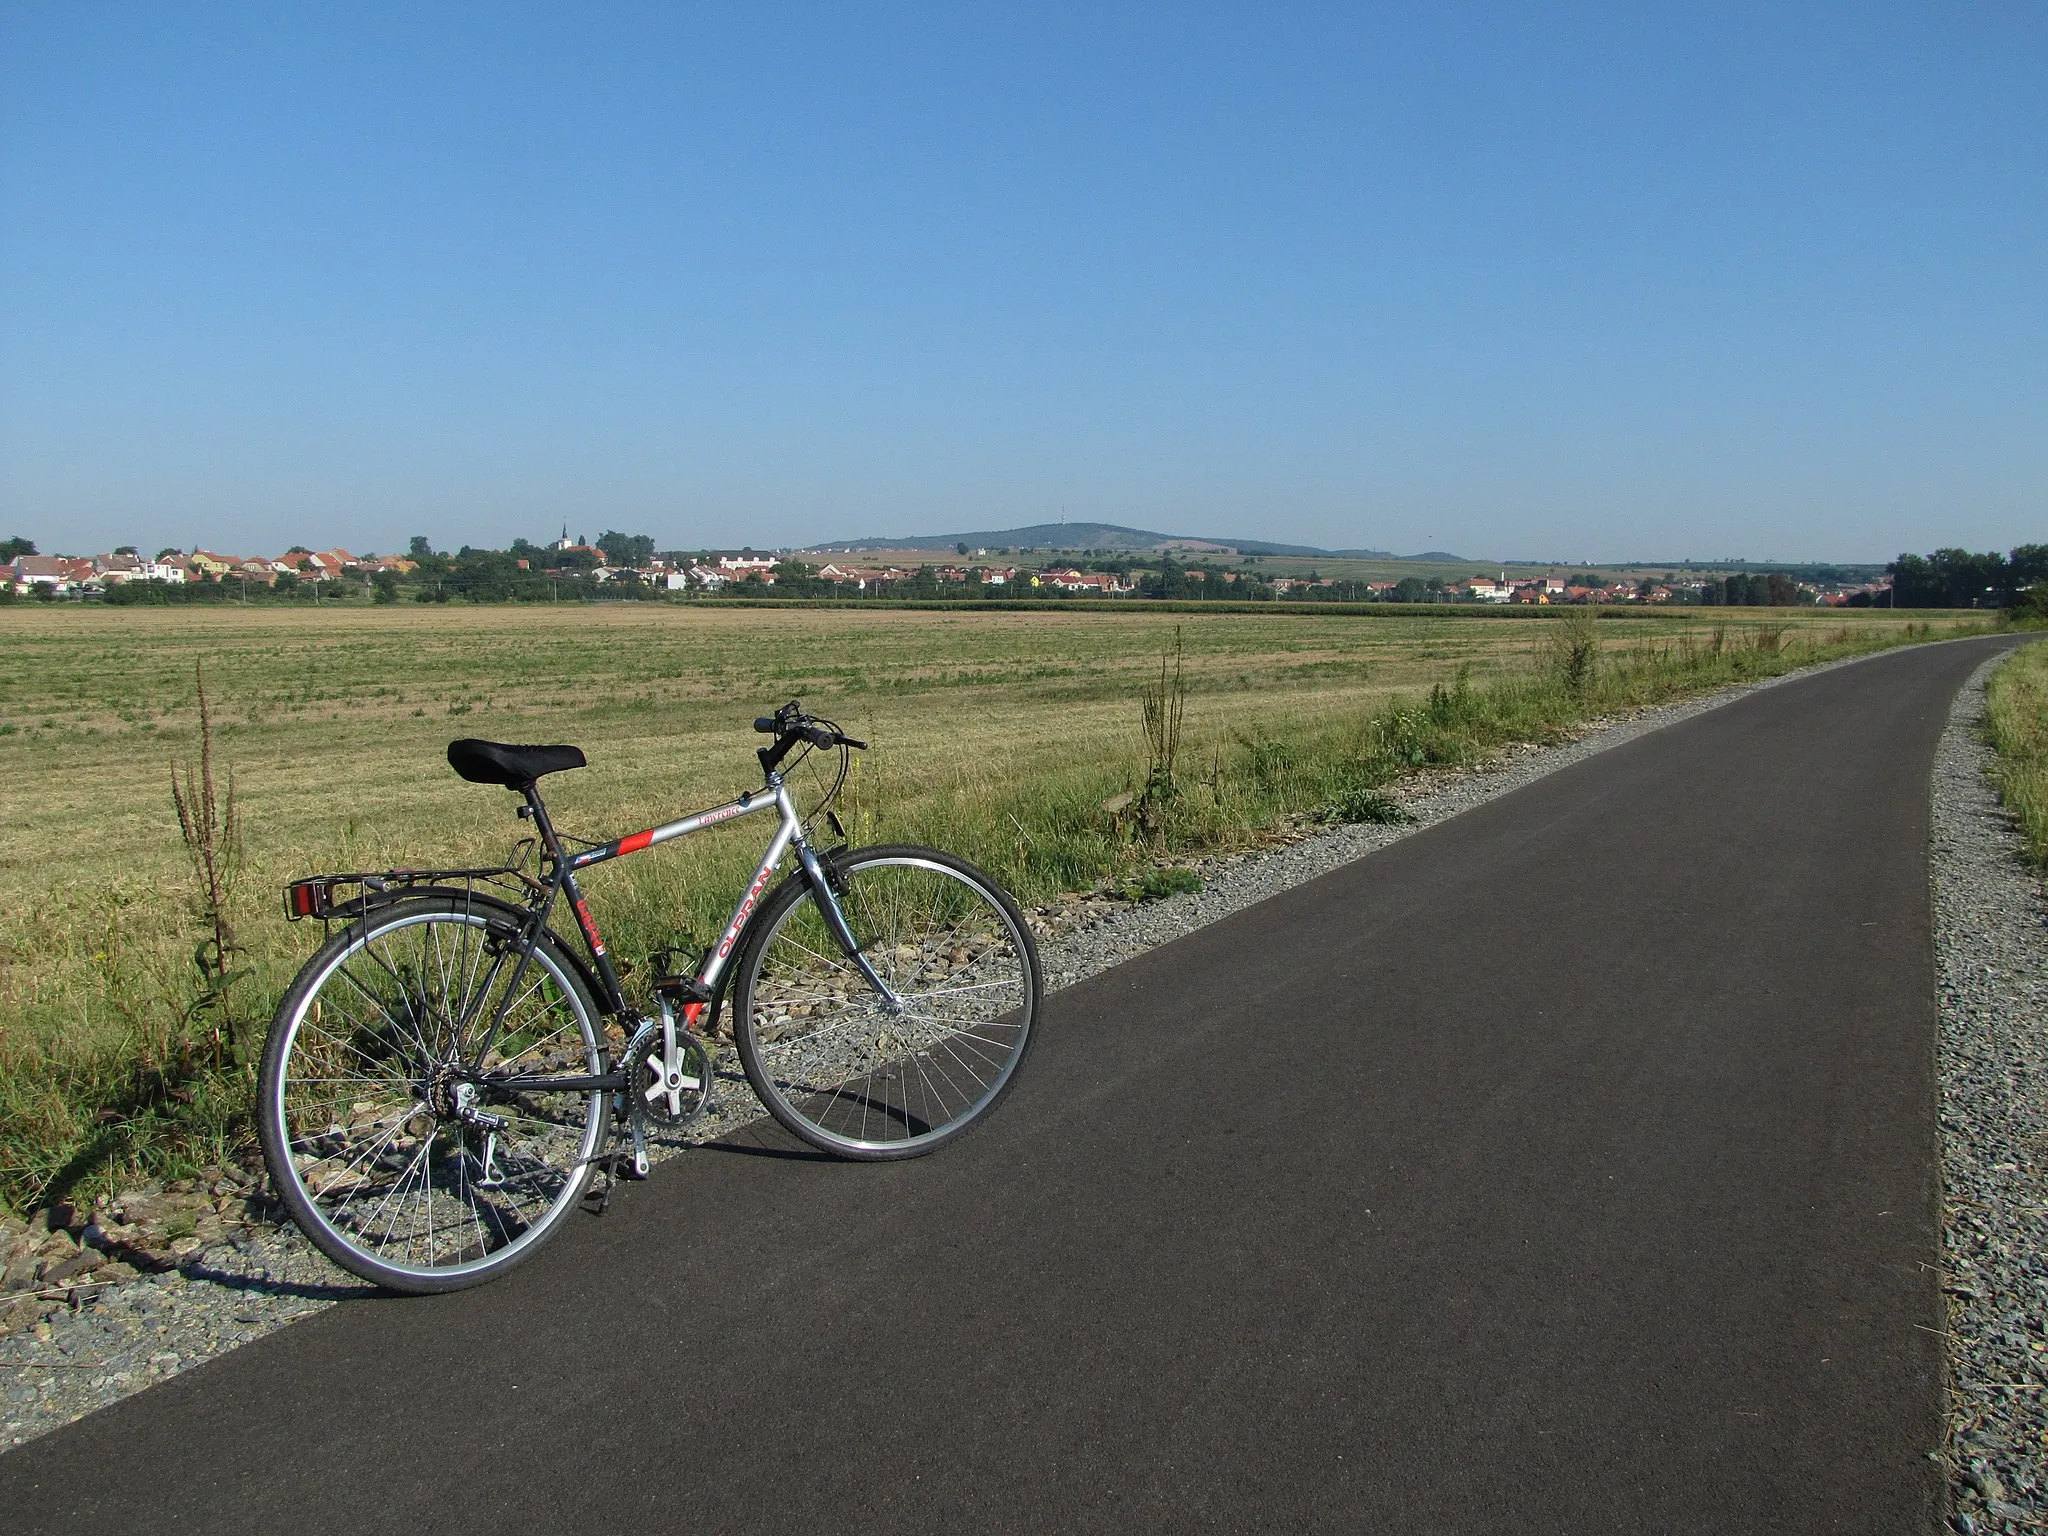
pixel 371 1113
pixel 858 1077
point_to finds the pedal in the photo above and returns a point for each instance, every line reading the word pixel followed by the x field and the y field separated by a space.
pixel 623 1167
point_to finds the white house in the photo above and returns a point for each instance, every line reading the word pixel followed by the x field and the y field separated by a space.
pixel 119 568
pixel 32 571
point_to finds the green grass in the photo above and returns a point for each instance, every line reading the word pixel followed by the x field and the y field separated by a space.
pixel 998 734
pixel 2017 714
pixel 1162 881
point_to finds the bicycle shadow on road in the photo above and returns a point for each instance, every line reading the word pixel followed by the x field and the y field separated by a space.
pixel 337 1289
pixel 764 1138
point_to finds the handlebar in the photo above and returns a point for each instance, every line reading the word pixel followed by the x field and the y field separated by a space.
pixel 790 725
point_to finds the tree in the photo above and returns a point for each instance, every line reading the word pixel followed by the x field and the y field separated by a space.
pixel 421 548
pixel 127 549
pixel 16 547
pixel 484 576
pixel 2027 566
pixel 961 547
pixel 628 549
pixel 1410 589
pixel 169 554
pixel 386 585
pixel 1953 578
pixel 286 584
pixel 1748 590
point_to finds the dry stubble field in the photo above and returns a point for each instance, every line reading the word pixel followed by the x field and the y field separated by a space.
pixel 996 733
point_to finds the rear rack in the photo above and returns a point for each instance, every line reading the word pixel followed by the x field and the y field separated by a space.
pixel 329 898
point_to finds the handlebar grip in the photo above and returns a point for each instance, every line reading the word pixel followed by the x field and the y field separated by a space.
pixel 765 724
pixel 818 736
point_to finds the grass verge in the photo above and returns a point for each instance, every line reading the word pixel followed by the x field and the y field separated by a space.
pixel 2016 708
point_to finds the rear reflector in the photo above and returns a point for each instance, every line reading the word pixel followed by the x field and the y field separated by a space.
pixel 305 898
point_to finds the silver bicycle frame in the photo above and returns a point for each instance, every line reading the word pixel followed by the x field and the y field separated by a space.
pixel 789 834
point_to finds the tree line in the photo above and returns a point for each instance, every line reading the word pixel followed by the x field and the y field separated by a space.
pixel 1956 578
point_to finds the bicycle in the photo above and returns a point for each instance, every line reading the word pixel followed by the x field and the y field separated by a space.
pixel 439 1088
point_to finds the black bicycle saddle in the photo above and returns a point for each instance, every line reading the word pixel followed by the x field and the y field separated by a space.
pixel 498 762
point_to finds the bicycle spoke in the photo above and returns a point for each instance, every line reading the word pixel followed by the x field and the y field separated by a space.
pixel 384 1170
pixel 838 1067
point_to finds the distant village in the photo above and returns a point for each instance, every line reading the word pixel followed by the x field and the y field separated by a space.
pixel 622 566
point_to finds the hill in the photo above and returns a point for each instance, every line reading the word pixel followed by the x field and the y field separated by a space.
pixel 1072 536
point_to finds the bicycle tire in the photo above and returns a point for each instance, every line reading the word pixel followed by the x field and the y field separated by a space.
pixel 357 1112
pixel 829 1062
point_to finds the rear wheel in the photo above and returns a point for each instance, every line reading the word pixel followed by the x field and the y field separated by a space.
pixel 831 1061
pixel 384 1137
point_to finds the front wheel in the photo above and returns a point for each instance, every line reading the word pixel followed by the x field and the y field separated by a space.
pixel 839 1068
pixel 383 1132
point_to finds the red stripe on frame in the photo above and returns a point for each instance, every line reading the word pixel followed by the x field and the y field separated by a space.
pixel 636 842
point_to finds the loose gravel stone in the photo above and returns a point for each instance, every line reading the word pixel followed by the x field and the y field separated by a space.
pixel 1991 956
pixel 117 1332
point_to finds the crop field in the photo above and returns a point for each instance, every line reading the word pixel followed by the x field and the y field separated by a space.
pixel 999 734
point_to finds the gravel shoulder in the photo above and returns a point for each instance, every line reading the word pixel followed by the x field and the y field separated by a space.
pixel 93 1343
pixel 1991 954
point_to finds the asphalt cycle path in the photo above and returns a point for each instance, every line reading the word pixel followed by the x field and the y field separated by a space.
pixel 1568 1166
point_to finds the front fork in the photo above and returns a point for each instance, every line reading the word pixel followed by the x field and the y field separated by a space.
pixel 835 920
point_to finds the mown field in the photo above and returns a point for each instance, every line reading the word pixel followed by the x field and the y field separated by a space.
pixel 997 734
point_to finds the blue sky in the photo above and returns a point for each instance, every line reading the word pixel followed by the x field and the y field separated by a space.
pixel 1564 282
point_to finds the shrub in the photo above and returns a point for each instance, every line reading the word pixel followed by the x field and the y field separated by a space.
pixel 1158 883
pixel 1574 645
pixel 1362 804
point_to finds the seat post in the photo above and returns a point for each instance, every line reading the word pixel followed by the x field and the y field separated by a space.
pixel 538 810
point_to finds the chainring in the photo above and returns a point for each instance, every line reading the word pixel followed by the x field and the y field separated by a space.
pixel 668 1098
